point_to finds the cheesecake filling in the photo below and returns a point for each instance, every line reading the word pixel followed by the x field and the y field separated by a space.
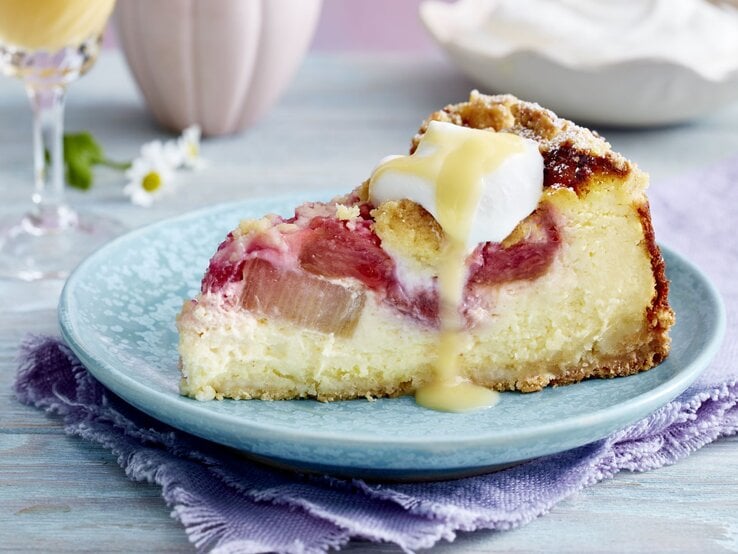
pixel 478 186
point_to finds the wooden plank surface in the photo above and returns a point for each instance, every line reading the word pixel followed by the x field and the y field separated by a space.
pixel 341 115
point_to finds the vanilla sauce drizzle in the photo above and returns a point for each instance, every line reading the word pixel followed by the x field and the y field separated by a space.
pixel 456 166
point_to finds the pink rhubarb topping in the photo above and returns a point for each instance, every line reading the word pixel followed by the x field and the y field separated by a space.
pixel 287 274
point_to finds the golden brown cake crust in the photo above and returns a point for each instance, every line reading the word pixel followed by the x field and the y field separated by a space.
pixel 571 154
pixel 642 359
pixel 409 228
pixel 660 317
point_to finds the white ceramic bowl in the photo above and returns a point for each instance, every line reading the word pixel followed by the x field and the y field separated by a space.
pixel 634 93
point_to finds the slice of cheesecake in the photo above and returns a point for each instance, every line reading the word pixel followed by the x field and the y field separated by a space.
pixel 342 300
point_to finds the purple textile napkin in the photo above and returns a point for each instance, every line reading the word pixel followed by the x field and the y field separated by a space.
pixel 228 504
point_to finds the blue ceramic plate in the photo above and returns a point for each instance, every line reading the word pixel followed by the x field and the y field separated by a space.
pixel 117 313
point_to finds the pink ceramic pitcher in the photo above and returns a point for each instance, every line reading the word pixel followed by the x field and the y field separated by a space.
pixel 218 63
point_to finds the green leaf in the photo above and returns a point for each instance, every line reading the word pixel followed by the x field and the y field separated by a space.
pixel 81 152
pixel 82 145
pixel 79 173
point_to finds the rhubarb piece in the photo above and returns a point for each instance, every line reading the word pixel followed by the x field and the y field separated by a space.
pixel 333 250
pixel 301 298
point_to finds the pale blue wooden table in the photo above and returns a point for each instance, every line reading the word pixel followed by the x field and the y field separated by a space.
pixel 341 115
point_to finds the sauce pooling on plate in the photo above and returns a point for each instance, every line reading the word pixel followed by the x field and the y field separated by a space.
pixel 447 175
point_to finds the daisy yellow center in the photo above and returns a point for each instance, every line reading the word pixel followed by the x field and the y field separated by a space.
pixel 151 181
pixel 192 150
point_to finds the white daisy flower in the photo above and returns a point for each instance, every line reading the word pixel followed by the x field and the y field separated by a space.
pixel 174 153
pixel 151 175
pixel 189 148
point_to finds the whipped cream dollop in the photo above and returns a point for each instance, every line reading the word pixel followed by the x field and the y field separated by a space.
pixel 580 33
pixel 505 172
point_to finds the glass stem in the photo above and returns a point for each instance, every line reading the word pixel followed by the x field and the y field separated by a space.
pixel 50 211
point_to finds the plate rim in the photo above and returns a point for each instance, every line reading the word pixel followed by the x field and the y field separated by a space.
pixel 639 405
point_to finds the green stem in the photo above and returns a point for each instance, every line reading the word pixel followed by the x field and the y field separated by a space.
pixel 120 166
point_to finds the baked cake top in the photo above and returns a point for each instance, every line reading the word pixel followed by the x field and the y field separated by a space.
pixel 571 153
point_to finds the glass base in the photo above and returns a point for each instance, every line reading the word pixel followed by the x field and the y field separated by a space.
pixel 30 251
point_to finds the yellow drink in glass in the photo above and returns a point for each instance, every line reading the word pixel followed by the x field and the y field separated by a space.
pixel 52 24
pixel 48 44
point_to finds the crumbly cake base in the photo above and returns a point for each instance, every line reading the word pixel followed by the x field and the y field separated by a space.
pixel 643 359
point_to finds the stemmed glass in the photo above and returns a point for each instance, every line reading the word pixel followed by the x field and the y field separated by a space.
pixel 48 44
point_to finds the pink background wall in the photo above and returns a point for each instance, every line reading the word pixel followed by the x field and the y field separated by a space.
pixel 371 25
pixel 357 25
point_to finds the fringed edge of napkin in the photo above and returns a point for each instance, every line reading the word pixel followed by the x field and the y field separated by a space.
pixel 669 434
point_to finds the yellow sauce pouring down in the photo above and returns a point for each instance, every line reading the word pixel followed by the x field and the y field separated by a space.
pixel 456 166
